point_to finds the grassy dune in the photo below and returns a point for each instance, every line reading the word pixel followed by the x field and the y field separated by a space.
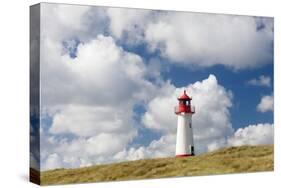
pixel 228 160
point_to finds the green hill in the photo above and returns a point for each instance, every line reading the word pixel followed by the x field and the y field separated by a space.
pixel 228 160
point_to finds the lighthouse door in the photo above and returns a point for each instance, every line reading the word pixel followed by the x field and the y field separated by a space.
pixel 192 150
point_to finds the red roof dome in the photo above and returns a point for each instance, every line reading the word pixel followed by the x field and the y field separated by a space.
pixel 184 96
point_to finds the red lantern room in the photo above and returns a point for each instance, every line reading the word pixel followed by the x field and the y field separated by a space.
pixel 184 104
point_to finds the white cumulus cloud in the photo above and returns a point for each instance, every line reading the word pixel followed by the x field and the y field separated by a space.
pixel 238 42
pixel 266 104
pixel 90 99
pixel 53 162
pixel 91 77
pixel 206 40
pixel 80 151
pixel 163 147
pixel 261 81
pixel 211 120
pixel 128 24
pixel 259 134
pixel 91 121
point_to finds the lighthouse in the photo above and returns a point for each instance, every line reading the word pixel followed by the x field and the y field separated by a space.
pixel 184 111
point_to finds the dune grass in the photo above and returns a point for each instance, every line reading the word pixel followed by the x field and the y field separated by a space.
pixel 228 160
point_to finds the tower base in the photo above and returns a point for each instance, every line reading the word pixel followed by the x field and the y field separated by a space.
pixel 184 155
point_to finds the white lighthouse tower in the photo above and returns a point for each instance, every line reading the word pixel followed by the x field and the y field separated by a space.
pixel 184 111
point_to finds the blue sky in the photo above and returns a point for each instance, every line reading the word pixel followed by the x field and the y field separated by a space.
pixel 110 78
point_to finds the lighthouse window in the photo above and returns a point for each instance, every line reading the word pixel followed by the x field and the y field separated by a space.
pixel 189 125
pixel 182 102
